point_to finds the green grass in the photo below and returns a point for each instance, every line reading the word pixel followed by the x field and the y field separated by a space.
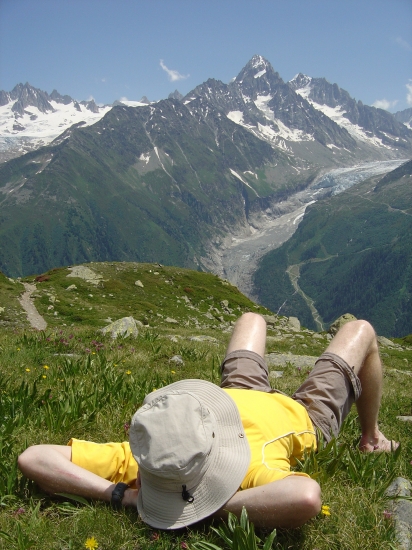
pixel 71 381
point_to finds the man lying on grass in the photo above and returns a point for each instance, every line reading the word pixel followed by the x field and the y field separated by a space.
pixel 198 450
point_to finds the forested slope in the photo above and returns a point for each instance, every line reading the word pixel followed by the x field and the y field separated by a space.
pixel 353 253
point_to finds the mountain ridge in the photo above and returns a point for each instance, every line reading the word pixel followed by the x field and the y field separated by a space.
pixel 169 181
pixel 24 105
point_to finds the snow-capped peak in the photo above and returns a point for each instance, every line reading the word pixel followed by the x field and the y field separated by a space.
pixel 300 80
pixel 259 62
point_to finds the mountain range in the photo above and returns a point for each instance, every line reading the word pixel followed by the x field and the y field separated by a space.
pixel 170 181
pixel 258 98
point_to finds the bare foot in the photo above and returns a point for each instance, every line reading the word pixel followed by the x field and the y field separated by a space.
pixel 377 444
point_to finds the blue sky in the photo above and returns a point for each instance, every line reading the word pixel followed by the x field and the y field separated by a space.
pixel 109 49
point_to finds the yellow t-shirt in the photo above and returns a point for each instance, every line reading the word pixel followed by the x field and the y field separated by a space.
pixel 278 430
pixel 112 461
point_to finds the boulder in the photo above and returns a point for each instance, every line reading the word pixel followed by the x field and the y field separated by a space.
pixel 139 283
pixel 342 320
pixel 203 338
pixel 83 272
pixel 386 343
pixel 294 323
pixel 270 319
pixel 282 359
pixel 275 374
pixel 125 327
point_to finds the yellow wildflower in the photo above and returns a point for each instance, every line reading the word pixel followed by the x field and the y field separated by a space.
pixel 27 370
pixel 18 349
pixel 128 372
pixel 44 376
pixel 46 367
pixel 91 543
pixel 173 372
pixel 325 510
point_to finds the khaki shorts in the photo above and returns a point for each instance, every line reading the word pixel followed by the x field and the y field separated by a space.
pixel 327 394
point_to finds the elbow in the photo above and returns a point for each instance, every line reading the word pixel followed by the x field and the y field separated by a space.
pixel 27 460
pixel 310 504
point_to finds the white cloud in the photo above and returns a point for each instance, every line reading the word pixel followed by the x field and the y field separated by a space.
pixel 409 94
pixel 173 75
pixel 90 98
pixel 384 104
pixel 123 98
pixel 403 44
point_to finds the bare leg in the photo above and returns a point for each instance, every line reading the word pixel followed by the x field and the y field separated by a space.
pixel 51 468
pixel 249 333
pixel 356 343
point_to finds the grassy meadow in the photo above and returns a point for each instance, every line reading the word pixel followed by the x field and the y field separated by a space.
pixel 72 381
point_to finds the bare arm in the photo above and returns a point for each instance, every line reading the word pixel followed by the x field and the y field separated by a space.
pixel 288 503
pixel 50 466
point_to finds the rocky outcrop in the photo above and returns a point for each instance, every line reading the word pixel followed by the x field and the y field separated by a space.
pixel 124 328
pixel 400 509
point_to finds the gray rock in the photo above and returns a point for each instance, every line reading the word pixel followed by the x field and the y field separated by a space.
pixel 71 287
pixel 177 359
pixel 340 321
pixel 405 418
pixel 170 320
pixel 282 359
pixel 209 315
pixel 202 338
pixel 294 323
pixel 139 283
pixel 402 511
pixel 275 374
pixel 125 327
pixel 386 343
pixel 224 303
pixel 270 319
pixel 82 272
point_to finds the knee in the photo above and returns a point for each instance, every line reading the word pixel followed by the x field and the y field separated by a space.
pixel 361 328
pixel 250 317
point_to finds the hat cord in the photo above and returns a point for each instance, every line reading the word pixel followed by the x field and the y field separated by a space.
pixel 186 495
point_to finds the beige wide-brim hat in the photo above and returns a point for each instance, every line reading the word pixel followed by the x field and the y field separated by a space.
pixel 190 445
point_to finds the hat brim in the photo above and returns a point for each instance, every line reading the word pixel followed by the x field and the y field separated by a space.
pixel 228 464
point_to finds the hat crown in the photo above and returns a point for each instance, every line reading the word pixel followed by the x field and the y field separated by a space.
pixel 174 436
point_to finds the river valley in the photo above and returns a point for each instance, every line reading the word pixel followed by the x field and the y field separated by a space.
pixel 239 258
